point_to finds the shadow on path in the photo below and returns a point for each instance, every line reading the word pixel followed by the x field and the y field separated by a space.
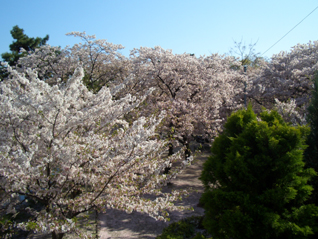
pixel 118 224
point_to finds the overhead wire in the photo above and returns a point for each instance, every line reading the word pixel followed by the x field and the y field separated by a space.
pixel 290 30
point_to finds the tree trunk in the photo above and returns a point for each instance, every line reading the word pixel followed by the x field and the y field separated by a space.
pixel 187 152
pixel 185 142
pixel 167 169
pixel 170 145
pixel 56 235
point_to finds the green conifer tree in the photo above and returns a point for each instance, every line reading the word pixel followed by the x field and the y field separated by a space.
pixel 311 153
pixel 21 41
pixel 255 181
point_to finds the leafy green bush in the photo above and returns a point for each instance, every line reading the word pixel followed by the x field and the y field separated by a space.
pixel 184 229
pixel 255 181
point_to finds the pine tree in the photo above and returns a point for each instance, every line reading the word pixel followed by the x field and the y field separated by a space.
pixel 21 41
pixel 255 181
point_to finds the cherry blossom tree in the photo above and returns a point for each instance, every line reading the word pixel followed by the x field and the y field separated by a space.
pixel 291 113
pixel 53 64
pixel 71 151
pixel 101 61
pixel 196 93
pixel 287 76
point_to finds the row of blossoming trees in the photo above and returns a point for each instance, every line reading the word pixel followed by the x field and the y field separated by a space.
pixel 86 128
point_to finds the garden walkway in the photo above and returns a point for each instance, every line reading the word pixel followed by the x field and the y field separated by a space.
pixel 116 224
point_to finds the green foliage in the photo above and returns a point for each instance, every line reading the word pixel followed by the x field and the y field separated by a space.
pixel 21 41
pixel 200 236
pixel 6 225
pixel 8 222
pixel 311 153
pixel 255 181
pixel 183 229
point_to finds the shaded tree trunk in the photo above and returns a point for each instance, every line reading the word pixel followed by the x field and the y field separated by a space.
pixel 185 141
pixel 187 152
pixel 170 145
pixel 56 235
pixel 170 149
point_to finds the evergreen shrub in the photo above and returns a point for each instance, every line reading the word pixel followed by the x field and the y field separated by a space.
pixel 255 182
pixel 311 153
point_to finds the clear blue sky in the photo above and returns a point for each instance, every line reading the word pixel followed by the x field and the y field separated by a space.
pixel 192 26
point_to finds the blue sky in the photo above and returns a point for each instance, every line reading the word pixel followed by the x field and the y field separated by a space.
pixel 192 26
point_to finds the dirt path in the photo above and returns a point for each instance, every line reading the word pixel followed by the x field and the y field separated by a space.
pixel 118 224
